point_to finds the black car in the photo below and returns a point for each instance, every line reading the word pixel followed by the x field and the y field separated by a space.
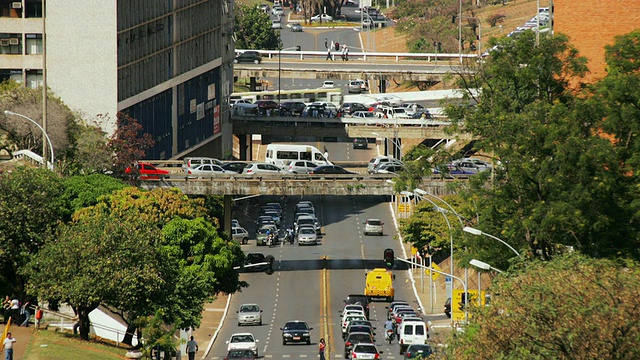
pixel 355 338
pixel 359 329
pixel 447 307
pixel 330 169
pixel 418 351
pixel 351 107
pixel 248 57
pixel 234 166
pixel 360 143
pixel 293 108
pixel 255 258
pixel 296 331
pixel 358 299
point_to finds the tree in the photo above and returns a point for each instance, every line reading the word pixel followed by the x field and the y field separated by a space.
pixel 82 191
pixel 573 307
pixel 253 29
pixel 128 144
pixel 89 152
pixel 558 183
pixel 30 208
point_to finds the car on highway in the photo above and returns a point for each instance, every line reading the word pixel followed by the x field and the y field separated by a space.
pixel 264 105
pixel 276 206
pixel 235 166
pixel 240 355
pixel 412 108
pixel 264 220
pixel 255 258
pixel 376 161
pixel 367 115
pixel 305 204
pixel 360 143
pixel 358 299
pixel 261 169
pixel 356 338
pixel 351 107
pixel 248 57
pixel 351 307
pixel 276 24
pixel 321 17
pixel 395 304
pixel 331 169
pixel 307 235
pixel 243 341
pixel 418 351
pixel 293 108
pixel 249 314
pixel 263 231
pixel 344 324
pixel 296 27
pixel 477 164
pixel 193 162
pixel 205 170
pixel 277 10
pixel 146 171
pixel 365 351
pixel 296 331
pixel 240 235
pixel 305 220
pixel 274 215
pixel 393 100
pixel 373 226
pixel 352 328
pixel 301 167
pixel 328 84
pixel 390 168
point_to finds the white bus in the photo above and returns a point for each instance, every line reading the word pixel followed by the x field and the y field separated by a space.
pixel 331 95
pixel 283 154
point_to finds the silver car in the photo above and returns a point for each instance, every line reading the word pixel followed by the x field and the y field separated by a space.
pixel 261 168
pixel 301 166
pixel 307 235
pixel 373 226
pixel 249 314
pixel 205 170
pixel 240 235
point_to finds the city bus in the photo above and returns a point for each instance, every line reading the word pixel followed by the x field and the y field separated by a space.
pixel 331 95
pixel 283 154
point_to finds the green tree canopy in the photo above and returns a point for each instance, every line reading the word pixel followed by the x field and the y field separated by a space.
pixel 82 191
pixel 572 307
pixel 253 29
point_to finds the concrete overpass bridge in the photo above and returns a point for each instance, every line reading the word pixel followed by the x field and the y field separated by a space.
pixel 244 185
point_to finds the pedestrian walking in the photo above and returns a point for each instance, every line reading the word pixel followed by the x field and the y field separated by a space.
pixel 8 347
pixel 321 346
pixel 26 312
pixel 192 347
pixel 329 55
pixel 326 44
pixel 346 54
pixel 331 45
pixel 15 310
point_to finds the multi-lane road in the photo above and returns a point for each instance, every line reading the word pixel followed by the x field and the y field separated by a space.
pixel 306 287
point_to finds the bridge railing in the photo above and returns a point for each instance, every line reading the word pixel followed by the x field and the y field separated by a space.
pixel 363 55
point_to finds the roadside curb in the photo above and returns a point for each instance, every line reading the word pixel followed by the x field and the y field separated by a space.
pixel 215 334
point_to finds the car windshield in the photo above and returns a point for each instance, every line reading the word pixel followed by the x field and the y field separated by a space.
pixel 355 338
pixel 295 326
pixel 305 221
pixel 420 349
pixel 307 231
pixel 249 308
pixel 366 348
pixel 241 338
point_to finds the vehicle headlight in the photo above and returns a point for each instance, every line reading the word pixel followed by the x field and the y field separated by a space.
pixel 305 334
pixel 287 335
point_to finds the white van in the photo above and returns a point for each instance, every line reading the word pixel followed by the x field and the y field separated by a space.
pixel 412 332
pixel 283 154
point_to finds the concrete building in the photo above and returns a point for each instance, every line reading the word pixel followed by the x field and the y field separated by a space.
pixel 168 64
pixel 592 24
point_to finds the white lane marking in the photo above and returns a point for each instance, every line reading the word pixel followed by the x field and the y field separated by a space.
pixel 264 349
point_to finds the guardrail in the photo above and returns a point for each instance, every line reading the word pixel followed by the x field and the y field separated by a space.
pixel 357 55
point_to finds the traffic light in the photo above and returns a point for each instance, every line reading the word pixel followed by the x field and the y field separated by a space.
pixel 270 260
pixel 389 258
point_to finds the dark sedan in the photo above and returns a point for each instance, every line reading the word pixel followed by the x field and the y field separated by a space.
pixel 296 331
pixel 235 166
pixel 255 258
pixel 418 351
pixel 248 57
pixel 330 169
pixel 356 338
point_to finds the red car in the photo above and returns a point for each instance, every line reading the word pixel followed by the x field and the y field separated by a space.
pixel 240 355
pixel 146 171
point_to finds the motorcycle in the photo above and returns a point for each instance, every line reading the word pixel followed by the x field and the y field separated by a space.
pixel 289 237
pixel 271 240
pixel 389 335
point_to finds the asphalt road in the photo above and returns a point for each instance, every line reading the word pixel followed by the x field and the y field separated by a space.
pixel 300 288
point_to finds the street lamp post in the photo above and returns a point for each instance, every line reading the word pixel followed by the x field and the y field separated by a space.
pixel 396 154
pixel 483 265
pixel 7 112
pixel 279 61
pixel 477 232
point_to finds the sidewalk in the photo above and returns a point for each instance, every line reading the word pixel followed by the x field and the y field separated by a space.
pixel 22 335
pixel 211 321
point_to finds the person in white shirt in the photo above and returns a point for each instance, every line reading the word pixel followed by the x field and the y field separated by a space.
pixel 192 347
pixel 8 346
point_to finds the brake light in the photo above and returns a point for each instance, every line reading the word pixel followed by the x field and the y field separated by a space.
pixel 408 354
pixel 348 343
pixel 249 171
pixel 354 355
pixel 377 356
pixel 189 172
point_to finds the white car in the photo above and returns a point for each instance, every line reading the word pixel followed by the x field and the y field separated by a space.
pixel 261 168
pixel 351 308
pixel 328 84
pixel 240 235
pixel 205 170
pixel 365 351
pixel 301 167
pixel 276 24
pixel 373 226
pixel 243 341
pixel 324 17
pixel 346 320
pixel 307 235
pixel 391 99
pixel 249 314
pixel 305 220
pixel 277 10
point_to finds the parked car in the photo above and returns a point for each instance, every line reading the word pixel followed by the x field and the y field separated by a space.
pixel 277 10
pixel 248 57
pixel 368 115
pixel 412 108
pixel 351 107
pixel 243 341
pixel 296 331
pixel 390 168
pixel 296 27
pixel 205 170
pixel 301 167
pixel 373 226
pixel 376 161
pixel 266 104
pixel 192 162
pixel 249 314
pixel 365 351
pixel 146 171
pixel 321 17
pixel 330 169
pixel 240 235
pixel 261 168
pixel 360 143
pixel 328 84
pixel 393 100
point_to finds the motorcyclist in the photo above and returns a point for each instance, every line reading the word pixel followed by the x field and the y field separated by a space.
pixel 389 325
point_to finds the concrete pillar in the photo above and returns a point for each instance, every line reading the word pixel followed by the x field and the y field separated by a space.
pixel 228 206
pixel 382 85
pixel 252 83
pixel 245 146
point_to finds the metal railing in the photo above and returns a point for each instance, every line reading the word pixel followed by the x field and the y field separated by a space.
pixel 363 55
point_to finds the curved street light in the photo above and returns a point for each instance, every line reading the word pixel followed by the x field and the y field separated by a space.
pixel 7 112
pixel 396 145
pixel 483 265
pixel 477 232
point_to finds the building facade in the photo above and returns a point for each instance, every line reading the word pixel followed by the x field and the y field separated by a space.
pixel 166 63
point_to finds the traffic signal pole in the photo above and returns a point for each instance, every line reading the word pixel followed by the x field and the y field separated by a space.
pixel 464 284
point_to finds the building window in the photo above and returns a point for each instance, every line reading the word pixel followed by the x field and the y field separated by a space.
pixel 33 8
pixel 12 9
pixel 34 79
pixel 11 74
pixel 34 44
pixel 10 44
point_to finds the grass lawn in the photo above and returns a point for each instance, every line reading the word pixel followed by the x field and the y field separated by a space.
pixel 51 345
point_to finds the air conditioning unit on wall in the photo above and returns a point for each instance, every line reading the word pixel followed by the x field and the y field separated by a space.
pixel 14 41
pixel 4 42
pixel 16 5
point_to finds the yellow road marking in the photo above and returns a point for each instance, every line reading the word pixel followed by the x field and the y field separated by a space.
pixel 324 309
